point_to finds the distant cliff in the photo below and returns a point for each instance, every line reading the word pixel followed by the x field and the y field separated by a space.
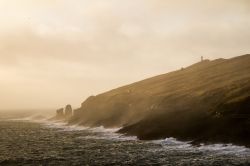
pixel 206 102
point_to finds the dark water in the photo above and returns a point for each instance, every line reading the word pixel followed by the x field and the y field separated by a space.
pixel 30 143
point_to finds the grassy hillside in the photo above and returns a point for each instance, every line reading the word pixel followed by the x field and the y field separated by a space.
pixel 208 101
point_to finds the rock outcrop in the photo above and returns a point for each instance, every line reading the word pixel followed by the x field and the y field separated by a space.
pixel 63 114
pixel 68 111
pixel 59 113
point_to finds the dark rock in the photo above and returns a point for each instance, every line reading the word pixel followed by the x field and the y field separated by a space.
pixel 60 113
pixel 68 111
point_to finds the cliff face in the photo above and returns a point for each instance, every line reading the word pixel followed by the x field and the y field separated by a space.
pixel 208 101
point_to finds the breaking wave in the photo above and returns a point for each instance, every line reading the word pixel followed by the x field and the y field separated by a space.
pixel 57 143
pixel 94 132
pixel 230 149
pixel 100 132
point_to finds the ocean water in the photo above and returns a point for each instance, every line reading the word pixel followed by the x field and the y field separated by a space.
pixel 42 143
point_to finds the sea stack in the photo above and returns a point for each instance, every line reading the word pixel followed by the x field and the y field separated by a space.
pixel 63 113
pixel 68 111
pixel 59 113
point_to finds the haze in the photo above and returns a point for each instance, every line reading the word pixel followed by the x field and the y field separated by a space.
pixel 54 53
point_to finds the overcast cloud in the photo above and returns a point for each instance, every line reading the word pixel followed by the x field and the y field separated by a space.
pixel 57 52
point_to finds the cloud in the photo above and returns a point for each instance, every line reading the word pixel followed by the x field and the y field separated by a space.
pixel 85 47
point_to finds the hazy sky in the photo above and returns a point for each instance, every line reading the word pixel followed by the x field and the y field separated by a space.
pixel 55 52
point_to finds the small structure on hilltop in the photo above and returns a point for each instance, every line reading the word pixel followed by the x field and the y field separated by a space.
pixel 202 59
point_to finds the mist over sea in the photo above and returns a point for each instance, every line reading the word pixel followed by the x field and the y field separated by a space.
pixel 28 141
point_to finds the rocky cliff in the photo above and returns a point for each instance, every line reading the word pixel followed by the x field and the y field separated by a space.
pixel 206 102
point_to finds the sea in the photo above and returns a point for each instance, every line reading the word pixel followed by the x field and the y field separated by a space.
pixel 29 142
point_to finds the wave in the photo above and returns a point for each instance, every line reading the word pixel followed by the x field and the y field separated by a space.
pixel 223 149
pixel 110 134
pixel 100 132
pixel 102 129
pixel 173 143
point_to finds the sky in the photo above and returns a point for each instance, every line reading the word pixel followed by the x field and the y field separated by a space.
pixel 58 52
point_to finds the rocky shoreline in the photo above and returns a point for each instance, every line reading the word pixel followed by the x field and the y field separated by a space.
pixel 208 102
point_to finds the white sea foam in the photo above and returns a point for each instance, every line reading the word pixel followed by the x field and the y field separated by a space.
pixel 101 132
pixel 225 149
pixel 174 144
pixel 75 128
pixel 110 134
pixel 102 129
pixel 55 124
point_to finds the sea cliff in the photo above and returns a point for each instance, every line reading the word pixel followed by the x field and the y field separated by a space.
pixel 206 102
